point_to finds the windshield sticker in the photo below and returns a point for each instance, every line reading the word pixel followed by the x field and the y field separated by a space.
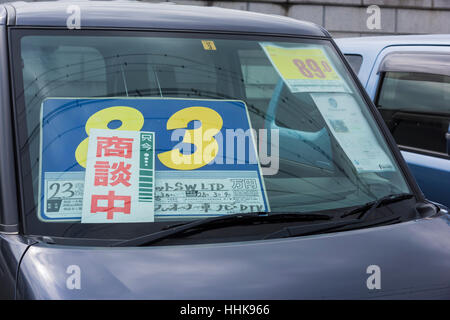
pixel 209 45
pixel 118 185
pixel 305 69
pixel 63 195
pixel 352 131
pixel 205 158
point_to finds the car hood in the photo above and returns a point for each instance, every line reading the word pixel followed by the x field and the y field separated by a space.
pixel 413 259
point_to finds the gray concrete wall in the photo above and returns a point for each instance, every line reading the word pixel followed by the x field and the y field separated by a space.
pixel 349 17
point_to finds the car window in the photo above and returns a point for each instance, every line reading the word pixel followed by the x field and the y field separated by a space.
pixel 355 61
pixel 416 107
pixel 260 81
pixel 293 99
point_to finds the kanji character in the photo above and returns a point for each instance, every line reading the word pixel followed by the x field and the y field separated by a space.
pixel 114 146
pixel 147 137
pixel 205 207
pixel 146 146
pixel 110 208
pixel 120 174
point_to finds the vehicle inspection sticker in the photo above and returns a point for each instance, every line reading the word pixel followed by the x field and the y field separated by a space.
pixel 209 45
pixel 205 159
pixel 305 69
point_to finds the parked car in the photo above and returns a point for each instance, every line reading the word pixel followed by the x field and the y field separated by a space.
pixel 110 189
pixel 408 78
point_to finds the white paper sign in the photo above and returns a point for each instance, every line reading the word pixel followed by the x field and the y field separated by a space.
pixel 352 131
pixel 63 195
pixel 119 177
pixel 207 193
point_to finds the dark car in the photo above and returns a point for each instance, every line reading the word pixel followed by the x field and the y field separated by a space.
pixel 158 151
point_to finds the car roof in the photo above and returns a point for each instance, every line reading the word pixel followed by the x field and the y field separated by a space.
pixel 371 47
pixel 167 16
pixel 377 43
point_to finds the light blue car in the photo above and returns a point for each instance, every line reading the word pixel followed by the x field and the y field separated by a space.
pixel 408 78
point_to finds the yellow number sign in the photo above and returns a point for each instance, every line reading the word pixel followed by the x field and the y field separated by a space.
pixel 301 63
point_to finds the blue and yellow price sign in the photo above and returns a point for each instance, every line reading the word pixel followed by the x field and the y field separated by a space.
pixel 201 166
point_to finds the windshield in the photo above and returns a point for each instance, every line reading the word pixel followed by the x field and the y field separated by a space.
pixel 121 133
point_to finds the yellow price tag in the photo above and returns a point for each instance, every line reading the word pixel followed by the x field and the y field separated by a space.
pixel 301 64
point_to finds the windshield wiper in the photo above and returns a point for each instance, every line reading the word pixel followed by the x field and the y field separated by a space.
pixel 264 217
pixel 361 221
pixel 218 222
pixel 369 207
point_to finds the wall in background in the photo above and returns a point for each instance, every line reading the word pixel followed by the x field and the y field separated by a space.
pixel 348 18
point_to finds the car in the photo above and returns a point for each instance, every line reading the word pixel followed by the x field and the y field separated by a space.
pixel 408 78
pixel 160 151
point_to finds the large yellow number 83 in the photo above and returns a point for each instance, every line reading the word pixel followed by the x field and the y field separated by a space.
pixel 133 120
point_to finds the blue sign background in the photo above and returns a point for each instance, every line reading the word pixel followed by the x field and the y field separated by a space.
pixel 64 120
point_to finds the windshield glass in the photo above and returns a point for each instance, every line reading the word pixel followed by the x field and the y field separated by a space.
pixel 122 132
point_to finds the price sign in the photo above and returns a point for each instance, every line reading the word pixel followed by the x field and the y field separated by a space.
pixel 305 69
pixel 195 172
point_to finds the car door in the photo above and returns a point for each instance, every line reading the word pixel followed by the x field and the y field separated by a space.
pixel 413 97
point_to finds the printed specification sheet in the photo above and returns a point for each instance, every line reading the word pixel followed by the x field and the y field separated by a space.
pixel 194 194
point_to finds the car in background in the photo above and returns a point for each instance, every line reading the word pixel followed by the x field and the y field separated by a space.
pixel 408 78
pixel 340 217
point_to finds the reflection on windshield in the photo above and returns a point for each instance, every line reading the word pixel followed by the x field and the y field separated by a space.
pixel 166 129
